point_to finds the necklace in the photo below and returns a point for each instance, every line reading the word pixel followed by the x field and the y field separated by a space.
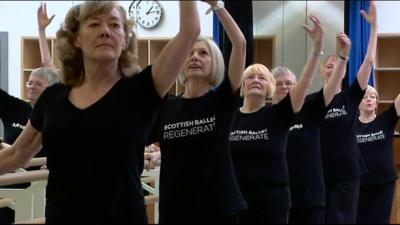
pixel 367 119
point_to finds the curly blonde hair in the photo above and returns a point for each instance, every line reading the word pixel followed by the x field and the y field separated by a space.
pixel 71 57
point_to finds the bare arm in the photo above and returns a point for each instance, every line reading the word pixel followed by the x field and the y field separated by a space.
pixel 26 146
pixel 299 92
pixel 43 22
pixel 343 46
pixel 171 60
pixel 365 69
pixel 237 59
pixel 397 104
pixel 4 145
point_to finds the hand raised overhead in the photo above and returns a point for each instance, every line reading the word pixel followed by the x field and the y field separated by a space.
pixel 317 32
pixel 343 45
pixel 371 15
pixel 43 19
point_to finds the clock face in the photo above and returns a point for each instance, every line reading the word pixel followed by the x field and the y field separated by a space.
pixel 147 13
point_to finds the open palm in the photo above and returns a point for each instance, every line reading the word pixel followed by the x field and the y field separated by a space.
pixel 371 15
pixel 316 33
pixel 43 19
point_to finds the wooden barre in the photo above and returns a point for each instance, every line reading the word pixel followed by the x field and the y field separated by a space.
pixel 40 161
pixel 23 177
pixel 5 202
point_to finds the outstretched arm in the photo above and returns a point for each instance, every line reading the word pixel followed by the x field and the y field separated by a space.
pixel 43 22
pixel 26 146
pixel 298 93
pixel 365 69
pixel 237 59
pixel 171 60
pixel 343 46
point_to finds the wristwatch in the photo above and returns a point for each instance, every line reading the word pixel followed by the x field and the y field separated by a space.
pixel 218 6
pixel 344 58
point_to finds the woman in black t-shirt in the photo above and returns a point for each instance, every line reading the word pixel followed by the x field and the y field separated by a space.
pixel 258 138
pixel 375 139
pixel 343 164
pixel 93 125
pixel 304 157
pixel 197 181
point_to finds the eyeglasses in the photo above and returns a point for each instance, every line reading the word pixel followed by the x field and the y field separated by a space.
pixel 34 83
pixel 286 83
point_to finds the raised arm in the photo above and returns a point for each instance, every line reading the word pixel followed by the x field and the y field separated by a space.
pixel 237 59
pixel 26 146
pixel 43 22
pixel 366 67
pixel 343 46
pixel 397 104
pixel 298 93
pixel 170 61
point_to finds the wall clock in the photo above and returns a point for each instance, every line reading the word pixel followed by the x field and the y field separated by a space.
pixel 147 14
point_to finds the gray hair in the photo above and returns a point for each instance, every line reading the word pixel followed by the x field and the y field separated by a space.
pixel 49 73
pixel 282 71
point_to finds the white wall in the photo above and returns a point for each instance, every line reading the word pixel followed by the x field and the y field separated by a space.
pixel 19 19
pixel 280 18
pixel 284 19
pixel 388 16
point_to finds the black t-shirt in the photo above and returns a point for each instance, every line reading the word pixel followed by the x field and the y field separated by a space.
pixel 341 155
pixel 376 145
pixel 14 113
pixel 95 155
pixel 304 157
pixel 197 176
pixel 258 143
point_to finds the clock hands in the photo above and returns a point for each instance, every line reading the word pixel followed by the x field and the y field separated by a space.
pixel 150 10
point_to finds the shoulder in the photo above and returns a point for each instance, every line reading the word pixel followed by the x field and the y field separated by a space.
pixel 54 90
pixel 140 81
pixel 142 74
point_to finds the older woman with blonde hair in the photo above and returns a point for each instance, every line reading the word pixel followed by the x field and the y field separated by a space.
pixel 93 124
pixel 375 133
pixel 197 181
pixel 258 138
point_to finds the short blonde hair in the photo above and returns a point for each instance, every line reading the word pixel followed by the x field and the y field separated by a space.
pixel 71 57
pixel 218 64
pixel 258 68
pixel 374 91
